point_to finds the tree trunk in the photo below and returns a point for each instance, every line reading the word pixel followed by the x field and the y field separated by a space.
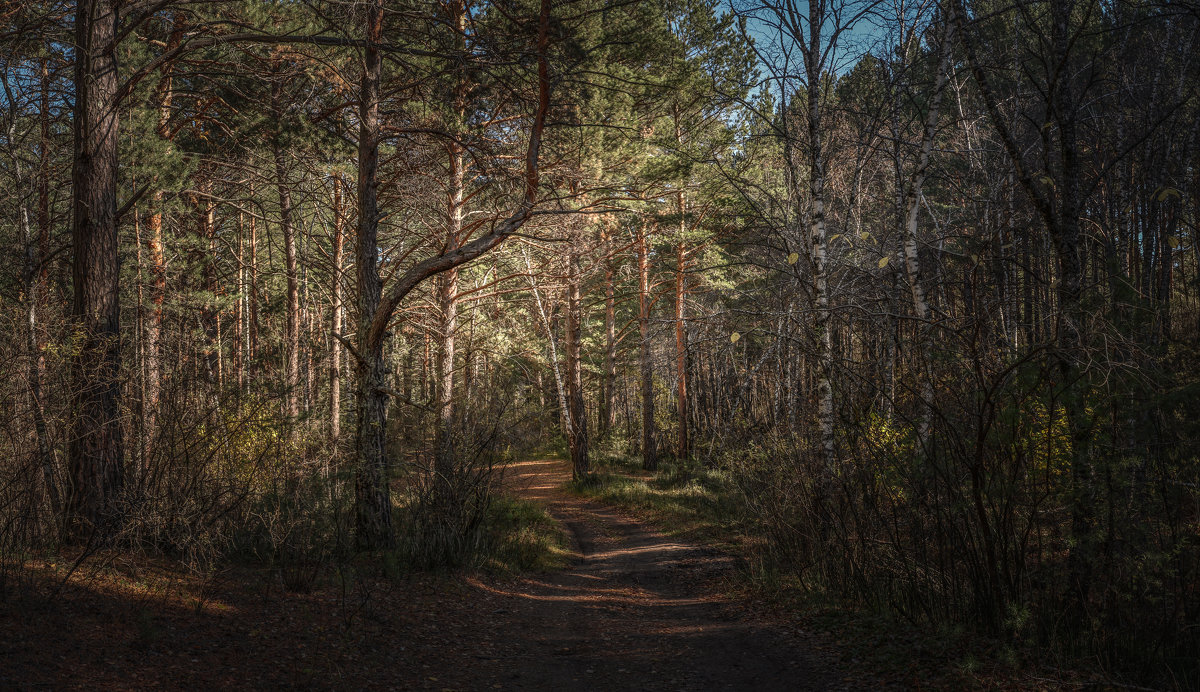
pixel 152 344
pixel 242 331
pixel 649 451
pixel 1065 238
pixel 822 317
pixel 335 346
pixel 376 310
pixel 681 450
pixel 608 414
pixel 97 444
pixel 252 297
pixel 372 496
pixel 564 415
pixel 1059 205
pixel 912 198
pixel 447 284
pixel 311 317
pixel 577 438
pixel 34 285
pixel 447 297
pixel 292 309
pixel 211 315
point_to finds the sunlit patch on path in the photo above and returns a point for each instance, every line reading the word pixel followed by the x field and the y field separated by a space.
pixel 635 610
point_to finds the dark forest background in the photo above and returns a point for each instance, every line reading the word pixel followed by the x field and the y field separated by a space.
pixel 910 289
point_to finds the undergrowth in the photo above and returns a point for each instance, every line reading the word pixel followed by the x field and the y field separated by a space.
pixel 511 536
pixel 694 501
pixel 686 498
pixel 522 537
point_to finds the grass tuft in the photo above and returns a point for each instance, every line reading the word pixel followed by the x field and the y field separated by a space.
pixel 523 537
pixel 512 536
pixel 686 499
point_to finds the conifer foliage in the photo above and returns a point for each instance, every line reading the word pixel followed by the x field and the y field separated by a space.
pixel 921 278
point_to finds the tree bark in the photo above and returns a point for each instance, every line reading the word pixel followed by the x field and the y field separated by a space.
pixel 211 315
pixel 681 450
pixel 97 443
pixel 822 316
pixel 335 346
pixel 252 296
pixel 373 504
pixel 375 309
pixel 292 309
pixel 447 297
pixel 242 331
pixel 649 451
pixel 608 413
pixel 152 344
pixel 912 198
pixel 577 436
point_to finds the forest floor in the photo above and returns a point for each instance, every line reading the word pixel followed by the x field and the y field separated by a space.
pixel 634 609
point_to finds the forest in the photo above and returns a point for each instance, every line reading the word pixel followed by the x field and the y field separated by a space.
pixel 895 301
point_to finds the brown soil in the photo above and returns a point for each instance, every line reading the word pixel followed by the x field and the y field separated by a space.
pixel 638 610
pixel 635 610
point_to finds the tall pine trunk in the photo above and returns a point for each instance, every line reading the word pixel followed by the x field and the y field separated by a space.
pixel 681 449
pixel 577 436
pixel 447 284
pixel 335 346
pixel 373 516
pixel 608 413
pixel 152 338
pixel 292 308
pixel 649 451
pixel 447 297
pixel 97 450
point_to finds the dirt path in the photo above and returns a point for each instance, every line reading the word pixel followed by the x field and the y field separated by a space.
pixel 637 610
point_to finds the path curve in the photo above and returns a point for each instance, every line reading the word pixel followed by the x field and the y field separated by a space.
pixel 636 610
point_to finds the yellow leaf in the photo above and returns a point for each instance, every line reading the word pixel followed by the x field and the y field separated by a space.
pixel 834 237
pixel 1167 192
pixel 1173 242
pixel 864 235
pixel 793 258
pixel 733 338
pixel 883 261
pixel 1047 180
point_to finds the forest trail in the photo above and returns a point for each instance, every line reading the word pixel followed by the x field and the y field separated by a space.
pixel 637 610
